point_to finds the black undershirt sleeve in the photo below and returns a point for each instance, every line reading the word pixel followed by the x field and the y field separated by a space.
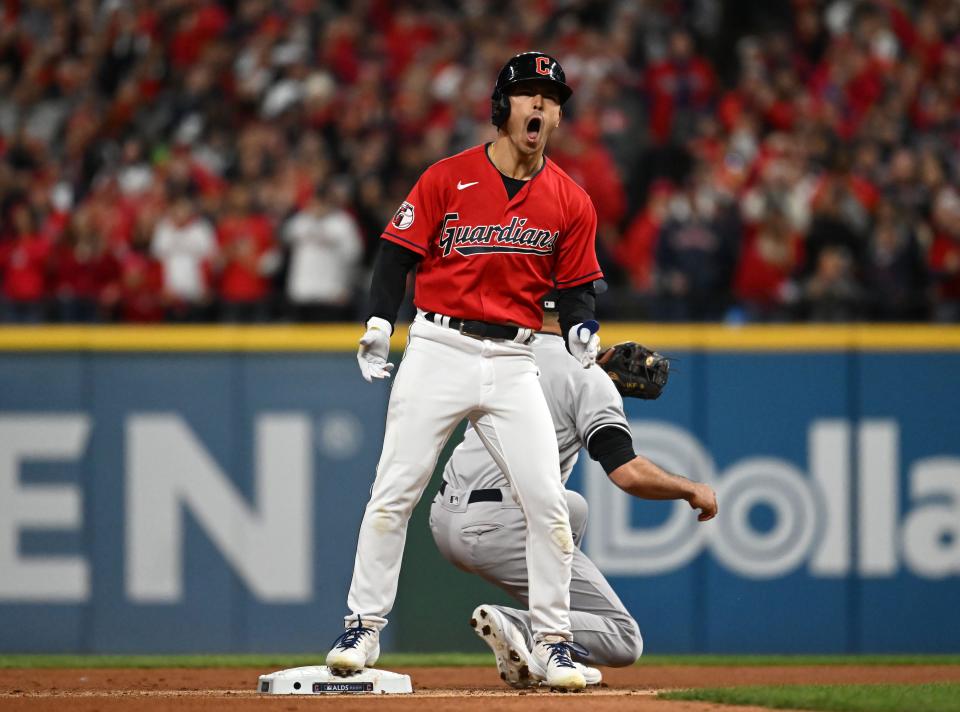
pixel 612 447
pixel 575 305
pixel 389 280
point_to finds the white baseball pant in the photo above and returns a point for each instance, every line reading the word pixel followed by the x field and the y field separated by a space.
pixel 444 377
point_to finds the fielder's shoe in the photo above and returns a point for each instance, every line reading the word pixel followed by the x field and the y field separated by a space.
pixel 357 648
pixel 550 662
pixel 507 644
pixel 591 676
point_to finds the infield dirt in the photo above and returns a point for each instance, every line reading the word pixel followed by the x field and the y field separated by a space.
pixel 464 689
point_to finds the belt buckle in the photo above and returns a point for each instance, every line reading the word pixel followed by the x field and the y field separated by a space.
pixel 471 334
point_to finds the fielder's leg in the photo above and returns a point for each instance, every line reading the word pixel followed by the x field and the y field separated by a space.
pixel 598 619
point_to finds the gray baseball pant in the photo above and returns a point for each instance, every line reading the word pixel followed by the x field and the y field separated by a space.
pixel 488 539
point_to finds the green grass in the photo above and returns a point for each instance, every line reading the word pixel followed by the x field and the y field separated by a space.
pixel 787 660
pixel 280 661
pixel 933 697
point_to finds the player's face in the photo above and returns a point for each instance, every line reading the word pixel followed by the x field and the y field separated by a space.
pixel 534 114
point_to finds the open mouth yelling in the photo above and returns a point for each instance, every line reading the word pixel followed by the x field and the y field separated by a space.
pixel 534 124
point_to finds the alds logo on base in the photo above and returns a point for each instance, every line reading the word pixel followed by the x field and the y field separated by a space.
pixel 404 217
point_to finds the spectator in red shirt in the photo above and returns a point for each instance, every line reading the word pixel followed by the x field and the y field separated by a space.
pixel 589 163
pixel 636 250
pixel 771 252
pixel 138 292
pixel 23 269
pixel 944 255
pixel 247 259
pixel 83 269
pixel 679 87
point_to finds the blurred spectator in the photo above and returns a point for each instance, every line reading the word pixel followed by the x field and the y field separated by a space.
pixel 134 174
pixel 23 265
pixel 895 274
pixel 325 251
pixel 945 254
pixel 583 156
pixel 247 259
pixel 679 87
pixel 139 292
pixel 831 292
pixel 903 188
pixel 185 245
pixel 636 251
pixel 771 252
pixel 836 219
pixel 696 255
pixel 83 272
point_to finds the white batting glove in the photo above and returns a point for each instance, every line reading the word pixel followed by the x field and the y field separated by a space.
pixel 374 349
pixel 584 342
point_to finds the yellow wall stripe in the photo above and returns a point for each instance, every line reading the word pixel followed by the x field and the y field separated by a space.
pixel 343 337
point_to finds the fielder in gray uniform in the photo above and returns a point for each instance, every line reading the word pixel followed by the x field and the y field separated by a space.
pixel 479 527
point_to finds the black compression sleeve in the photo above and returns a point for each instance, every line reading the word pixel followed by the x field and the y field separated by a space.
pixel 390 279
pixel 575 305
pixel 612 447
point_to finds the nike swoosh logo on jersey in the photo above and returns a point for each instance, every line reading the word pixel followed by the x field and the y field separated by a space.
pixel 461 186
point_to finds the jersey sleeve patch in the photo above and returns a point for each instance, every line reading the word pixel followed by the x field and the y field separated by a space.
pixel 404 216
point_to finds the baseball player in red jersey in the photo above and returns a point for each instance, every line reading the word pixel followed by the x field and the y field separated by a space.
pixel 488 231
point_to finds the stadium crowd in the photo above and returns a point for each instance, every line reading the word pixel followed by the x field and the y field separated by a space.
pixel 235 160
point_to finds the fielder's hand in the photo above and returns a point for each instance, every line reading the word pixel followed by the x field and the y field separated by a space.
pixel 583 342
pixel 705 499
pixel 374 349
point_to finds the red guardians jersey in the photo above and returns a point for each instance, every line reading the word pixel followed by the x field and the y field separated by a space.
pixel 490 258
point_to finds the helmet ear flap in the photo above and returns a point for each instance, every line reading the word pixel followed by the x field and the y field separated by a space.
pixel 500 109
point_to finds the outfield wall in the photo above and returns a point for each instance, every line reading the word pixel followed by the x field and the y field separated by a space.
pixel 199 489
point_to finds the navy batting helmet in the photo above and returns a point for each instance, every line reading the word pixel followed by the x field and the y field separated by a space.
pixel 525 67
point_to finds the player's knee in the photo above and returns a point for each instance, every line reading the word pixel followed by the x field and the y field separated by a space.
pixel 630 645
pixel 387 519
pixel 546 513
pixel 633 644
pixel 562 536
pixel 578 508
pixel 391 501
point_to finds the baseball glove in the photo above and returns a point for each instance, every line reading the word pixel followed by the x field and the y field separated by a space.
pixel 637 372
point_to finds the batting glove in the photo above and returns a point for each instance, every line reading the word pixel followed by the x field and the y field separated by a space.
pixel 374 348
pixel 584 343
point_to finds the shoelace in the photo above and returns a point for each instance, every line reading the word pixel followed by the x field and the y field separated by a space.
pixel 351 636
pixel 562 650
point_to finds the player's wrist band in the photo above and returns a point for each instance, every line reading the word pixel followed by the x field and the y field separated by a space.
pixel 376 322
